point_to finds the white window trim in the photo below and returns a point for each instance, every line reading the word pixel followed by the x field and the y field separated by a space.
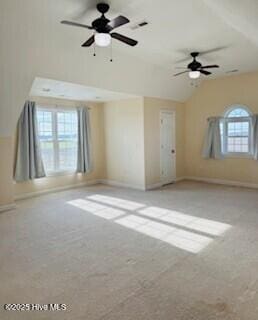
pixel 236 106
pixel 225 120
pixel 54 110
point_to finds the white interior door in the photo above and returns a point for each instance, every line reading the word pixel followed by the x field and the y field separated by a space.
pixel 167 147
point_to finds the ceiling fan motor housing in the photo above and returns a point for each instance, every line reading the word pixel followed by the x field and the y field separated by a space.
pixel 100 24
pixel 195 65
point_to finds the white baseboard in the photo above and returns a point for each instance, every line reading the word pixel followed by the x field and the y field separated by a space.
pixel 77 185
pixel 160 184
pixel 125 185
pixel 154 186
pixel 57 189
pixel 121 184
pixel 209 180
pixel 8 207
pixel 224 182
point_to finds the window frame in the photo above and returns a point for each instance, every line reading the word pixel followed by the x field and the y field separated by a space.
pixel 224 136
pixel 54 110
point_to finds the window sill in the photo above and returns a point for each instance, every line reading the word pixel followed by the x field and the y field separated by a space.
pixel 60 173
pixel 238 155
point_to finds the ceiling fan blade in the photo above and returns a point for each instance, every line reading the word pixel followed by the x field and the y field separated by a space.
pixel 210 66
pixel 117 22
pixel 85 8
pixel 213 50
pixel 75 24
pixel 205 72
pixel 89 42
pixel 124 39
pixel 177 74
pixel 201 53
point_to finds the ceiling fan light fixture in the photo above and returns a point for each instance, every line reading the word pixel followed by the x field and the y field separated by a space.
pixel 102 39
pixel 194 74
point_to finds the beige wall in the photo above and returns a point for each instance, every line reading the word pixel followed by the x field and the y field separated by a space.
pixel 152 108
pixel 126 139
pixel 6 171
pixel 119 131
pixel 124 145
pixel 211 99
pixel 96 115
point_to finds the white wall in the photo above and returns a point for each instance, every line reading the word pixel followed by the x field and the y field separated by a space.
pixel 124 142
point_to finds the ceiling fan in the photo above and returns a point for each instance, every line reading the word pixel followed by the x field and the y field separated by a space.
pixel 195 68
pixel 103 28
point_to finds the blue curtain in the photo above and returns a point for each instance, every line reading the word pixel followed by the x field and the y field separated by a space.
pixel 84 163
pixel 212 144
pixel 29 163
pixel 255 136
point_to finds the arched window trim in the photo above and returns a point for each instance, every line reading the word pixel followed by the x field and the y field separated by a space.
pixel 236 106
pixel 225 121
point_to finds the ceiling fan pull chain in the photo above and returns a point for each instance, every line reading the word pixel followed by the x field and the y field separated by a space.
pixel 94 49
pixel 111 51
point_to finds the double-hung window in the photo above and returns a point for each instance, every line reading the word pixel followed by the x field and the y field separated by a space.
pixel 58 135
pixel 236 132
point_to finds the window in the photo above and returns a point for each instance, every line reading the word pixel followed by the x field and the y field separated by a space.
pixel 236 131
pixel 58 139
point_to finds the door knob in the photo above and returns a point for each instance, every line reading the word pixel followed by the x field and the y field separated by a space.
pixel 173 151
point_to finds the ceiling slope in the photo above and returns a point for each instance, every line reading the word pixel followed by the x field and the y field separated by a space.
pixel 37 45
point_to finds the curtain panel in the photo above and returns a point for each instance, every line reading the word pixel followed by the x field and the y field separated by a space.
pixel 84 162
pixel 255 136
pixel 29 163
pixel 212 143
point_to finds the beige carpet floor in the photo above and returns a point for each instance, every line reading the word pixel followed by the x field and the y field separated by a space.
pixel 184 252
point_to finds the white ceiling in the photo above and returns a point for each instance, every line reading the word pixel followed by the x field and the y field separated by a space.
pixel 37 45
pixel 177 27
pixel 64 90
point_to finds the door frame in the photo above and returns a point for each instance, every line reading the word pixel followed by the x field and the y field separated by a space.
pixel 173 112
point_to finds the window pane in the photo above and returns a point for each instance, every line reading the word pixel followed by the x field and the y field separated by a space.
pixel 238 144
pixel 46 138
pixel 58 139
pixel 222 129
pixel 67 140
pixel 238 129
pixel 47 151
pixel 238 112
pixel 236 132
pixel 45 125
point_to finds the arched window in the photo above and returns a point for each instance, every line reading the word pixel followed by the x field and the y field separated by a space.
pixel 236 131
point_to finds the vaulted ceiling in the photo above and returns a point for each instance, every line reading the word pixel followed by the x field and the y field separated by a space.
pixel 35 44
pixel 177 27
